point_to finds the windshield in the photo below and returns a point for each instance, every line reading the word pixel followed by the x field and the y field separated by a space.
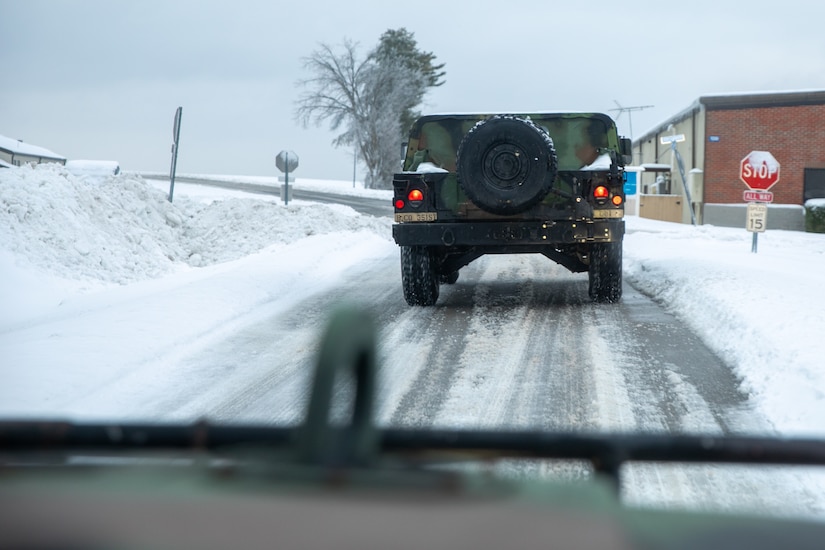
pixel 190 275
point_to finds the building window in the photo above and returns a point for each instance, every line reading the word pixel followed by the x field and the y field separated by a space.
pixel 814 184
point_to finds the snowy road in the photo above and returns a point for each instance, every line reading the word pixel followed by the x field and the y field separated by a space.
pixel 515 343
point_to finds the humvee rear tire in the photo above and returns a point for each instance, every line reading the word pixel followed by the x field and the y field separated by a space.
pixel 605 272
pixel 506 164
pixel 418 276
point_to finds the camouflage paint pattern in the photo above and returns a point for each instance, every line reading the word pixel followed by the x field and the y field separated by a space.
pixel 579 139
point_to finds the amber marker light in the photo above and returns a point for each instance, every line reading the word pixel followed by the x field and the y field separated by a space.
pixel 617 200
pixel 601 192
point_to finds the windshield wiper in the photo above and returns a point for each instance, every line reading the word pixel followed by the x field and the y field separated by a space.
pixel 349 347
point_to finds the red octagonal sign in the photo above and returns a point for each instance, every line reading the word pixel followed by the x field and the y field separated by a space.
pixel 759 170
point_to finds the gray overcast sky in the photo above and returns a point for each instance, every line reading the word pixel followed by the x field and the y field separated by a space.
pixel 102 79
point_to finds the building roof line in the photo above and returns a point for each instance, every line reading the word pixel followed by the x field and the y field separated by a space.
pixel 18 147
pixel 743 100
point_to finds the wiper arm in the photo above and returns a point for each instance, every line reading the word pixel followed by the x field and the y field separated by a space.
pixel 606 451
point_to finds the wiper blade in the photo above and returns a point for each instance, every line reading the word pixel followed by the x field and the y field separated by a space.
pixel 602 449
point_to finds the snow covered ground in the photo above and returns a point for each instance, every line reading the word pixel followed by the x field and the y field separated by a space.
pixel 70 243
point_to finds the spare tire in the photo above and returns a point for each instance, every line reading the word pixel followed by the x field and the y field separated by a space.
pixel 506 164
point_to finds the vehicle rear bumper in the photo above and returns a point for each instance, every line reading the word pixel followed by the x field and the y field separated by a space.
pixel 508 233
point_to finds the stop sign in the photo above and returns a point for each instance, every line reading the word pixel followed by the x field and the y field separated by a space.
pixel 759 170
pixel 286 161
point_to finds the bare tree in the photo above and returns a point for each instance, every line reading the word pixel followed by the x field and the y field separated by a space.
pixel 387 91
pixel 364 98
pixel 333 92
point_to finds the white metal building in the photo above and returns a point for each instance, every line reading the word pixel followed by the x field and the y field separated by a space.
pixel 18 153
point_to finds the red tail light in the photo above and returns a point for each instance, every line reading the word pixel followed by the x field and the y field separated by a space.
pixel 415 195
pixel 399 203
pixel 601 192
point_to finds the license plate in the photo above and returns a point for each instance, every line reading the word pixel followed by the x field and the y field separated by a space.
pixel 608 213
pixel 416 217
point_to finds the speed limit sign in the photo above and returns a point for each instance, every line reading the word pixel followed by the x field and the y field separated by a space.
pixel 757 217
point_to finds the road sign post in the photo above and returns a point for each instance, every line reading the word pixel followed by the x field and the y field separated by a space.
pixel 759 170
pixel 175 140
pixel 672 141
pixel 756 221
pixel 286 161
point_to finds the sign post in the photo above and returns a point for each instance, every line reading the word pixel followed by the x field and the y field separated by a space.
pixel 175 140
pixel 759 170
pixel 756 220
pixel 672 141
pixel 286 161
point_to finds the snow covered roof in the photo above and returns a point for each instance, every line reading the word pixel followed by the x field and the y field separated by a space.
pixel 17 147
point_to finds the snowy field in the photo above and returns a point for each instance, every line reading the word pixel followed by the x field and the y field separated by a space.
pixel 67 242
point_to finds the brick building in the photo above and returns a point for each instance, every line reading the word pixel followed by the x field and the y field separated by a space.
pixel 714 134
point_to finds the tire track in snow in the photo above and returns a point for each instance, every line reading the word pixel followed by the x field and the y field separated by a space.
pixel 285 346
pixel 502 368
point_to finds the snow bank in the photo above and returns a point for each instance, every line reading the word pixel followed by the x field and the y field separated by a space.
pixel 61 233
pixel 762 313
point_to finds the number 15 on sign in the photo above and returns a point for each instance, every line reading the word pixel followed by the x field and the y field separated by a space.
pixel 757 219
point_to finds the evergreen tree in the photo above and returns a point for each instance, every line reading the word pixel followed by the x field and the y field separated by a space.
pixel 397 48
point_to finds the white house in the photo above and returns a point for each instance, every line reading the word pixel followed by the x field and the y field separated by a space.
pixel 17 153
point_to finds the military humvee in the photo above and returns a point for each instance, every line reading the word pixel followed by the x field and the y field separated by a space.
pixel 476 184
